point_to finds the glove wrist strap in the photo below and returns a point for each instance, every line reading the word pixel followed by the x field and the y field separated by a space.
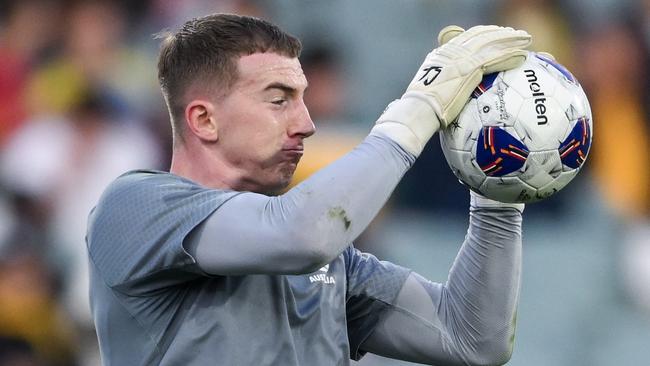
pixel 410 122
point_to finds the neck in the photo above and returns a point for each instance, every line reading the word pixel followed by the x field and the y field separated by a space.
pixel 199 166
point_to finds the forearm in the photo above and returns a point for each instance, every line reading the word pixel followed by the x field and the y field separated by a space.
pixel 470 319
pixel 480 298
pixel 308 226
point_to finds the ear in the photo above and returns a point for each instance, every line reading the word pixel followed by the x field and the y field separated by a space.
pixel 201 120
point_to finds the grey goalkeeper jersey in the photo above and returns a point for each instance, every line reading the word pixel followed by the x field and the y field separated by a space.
pixel 153 305
pixel 185 275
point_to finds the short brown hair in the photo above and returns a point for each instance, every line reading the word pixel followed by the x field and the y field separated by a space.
pixel 206 49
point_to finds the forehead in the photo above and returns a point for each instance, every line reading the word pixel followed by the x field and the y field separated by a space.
pixel 260 69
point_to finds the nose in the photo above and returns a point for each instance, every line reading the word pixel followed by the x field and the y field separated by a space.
pixel 302 125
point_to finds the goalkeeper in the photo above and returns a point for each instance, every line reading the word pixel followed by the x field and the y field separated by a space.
pixel 203 266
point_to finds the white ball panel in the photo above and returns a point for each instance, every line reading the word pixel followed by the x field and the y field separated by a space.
pixel 544 129
pixel 585 103
pixel 507 189
pixel 464 169
pixel 461 134
pixel 560 182
pixel 531 81
pixel 561 79
pixel 513 104
pixel 515 78
pixel 493 109
pixel 572 112
pixel 541 168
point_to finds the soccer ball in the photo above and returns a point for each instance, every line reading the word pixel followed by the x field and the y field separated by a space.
pixel 524 134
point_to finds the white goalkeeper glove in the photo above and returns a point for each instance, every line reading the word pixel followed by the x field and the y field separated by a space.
pixel 446 80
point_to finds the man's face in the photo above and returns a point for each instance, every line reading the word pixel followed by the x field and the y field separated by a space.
pixel 263 121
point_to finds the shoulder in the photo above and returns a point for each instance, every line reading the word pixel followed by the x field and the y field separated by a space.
pixel 143 180
pixel 137 186
pixel 134 195
pixel 139 196
pixel 139 224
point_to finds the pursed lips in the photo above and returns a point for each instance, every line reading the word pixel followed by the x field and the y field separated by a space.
pixel 293 152
pixel 294 148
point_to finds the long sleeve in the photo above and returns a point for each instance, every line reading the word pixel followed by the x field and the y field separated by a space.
pixel 307 227
pixel 470 319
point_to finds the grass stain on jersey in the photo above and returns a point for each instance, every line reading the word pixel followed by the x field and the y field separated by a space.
pixel 339 213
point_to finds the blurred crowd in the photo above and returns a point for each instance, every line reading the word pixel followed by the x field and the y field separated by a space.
pixel 79 105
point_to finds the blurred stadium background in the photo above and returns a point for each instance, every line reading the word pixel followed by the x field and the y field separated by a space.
pixel 79 104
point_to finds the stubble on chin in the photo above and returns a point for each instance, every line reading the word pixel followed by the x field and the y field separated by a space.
pixel 286 174
pixel 277 181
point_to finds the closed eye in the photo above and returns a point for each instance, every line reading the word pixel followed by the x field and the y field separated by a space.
pixel 286 92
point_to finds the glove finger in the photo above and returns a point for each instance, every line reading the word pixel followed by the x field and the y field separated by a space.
pixel 547 55
pixel 505 61
pixel 516 38
pixel 460 99
pixel 474 34
pixel 449 32
pixel 478 29
pixel 500 39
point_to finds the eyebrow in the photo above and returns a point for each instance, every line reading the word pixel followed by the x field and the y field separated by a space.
pixel 281 86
